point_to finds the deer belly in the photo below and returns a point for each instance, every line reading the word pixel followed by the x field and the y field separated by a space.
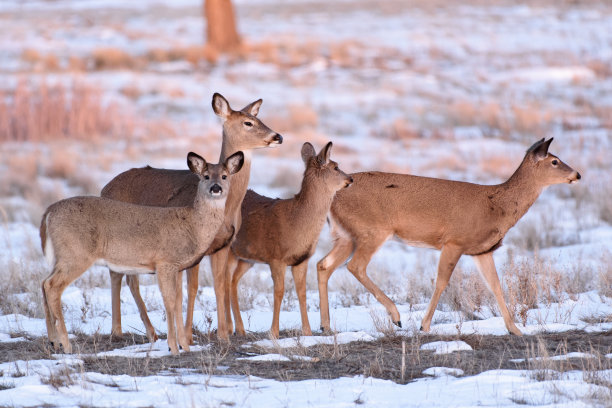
pixel 125 269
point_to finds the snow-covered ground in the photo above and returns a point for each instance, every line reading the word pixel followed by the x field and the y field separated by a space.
pixel 447 90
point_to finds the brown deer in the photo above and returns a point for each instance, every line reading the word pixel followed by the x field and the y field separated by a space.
pixel 78 232
pixel 284 233
pixel 452 216
pixel 242 131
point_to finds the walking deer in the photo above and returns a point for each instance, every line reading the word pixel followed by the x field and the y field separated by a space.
pixel 284 233
pixel 242 131
pixel 454 217
pixel 78 232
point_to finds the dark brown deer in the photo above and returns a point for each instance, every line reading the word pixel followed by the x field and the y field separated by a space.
pixel 284 233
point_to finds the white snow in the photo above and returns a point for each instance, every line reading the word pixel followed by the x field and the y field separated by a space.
pixel 446 347
pixel 442 371
pixel 150 350
pixel 309 341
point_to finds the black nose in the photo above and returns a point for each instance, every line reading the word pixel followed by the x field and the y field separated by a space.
pixel 351 179
pixel 216 189
pixel 278 138
pixel 578 176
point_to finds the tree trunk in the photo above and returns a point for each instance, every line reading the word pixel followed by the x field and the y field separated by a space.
pixel 221 33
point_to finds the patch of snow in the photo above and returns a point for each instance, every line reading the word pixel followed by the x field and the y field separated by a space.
pixel 446 347
pixel 443 371
pixel 563 357
pixel 309 341
pixel 149 350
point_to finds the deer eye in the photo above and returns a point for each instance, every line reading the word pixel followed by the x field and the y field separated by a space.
pixel 224 177
pixel 206 177
pixel 249 124
pixel 336 168
pixel 555 162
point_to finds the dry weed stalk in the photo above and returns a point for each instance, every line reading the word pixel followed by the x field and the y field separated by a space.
pixel 43 112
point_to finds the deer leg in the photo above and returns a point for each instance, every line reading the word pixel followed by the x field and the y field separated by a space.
pixel 134 284
pixel 230 266
pixel 486 267
pixel 49 318
pixel 166 279
pixel 299 277
pixel 278 277
pixel 448 259
pixel 192 293
pixel 357 266
pixel 217 263
pixel 239 272
pixel 325 267
pixel 180 328
pixel 116 279
pixel 53 287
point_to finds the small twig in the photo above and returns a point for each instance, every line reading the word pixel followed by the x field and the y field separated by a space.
pixel 403 359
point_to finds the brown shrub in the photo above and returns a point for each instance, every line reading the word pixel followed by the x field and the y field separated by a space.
pixel 42 112
pixel 112 58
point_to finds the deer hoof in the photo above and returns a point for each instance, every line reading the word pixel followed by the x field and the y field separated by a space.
pixel 398 323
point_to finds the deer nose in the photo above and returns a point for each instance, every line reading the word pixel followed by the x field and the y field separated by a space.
pixel 277 138
pixel 350 179
pixel 578 176
pixel 216 189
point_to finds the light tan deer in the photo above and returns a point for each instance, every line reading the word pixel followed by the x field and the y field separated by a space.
pixel 242 131
pixel 284 233
pixel 455 217
pixel 81 231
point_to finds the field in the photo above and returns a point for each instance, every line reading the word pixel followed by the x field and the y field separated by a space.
pixel 434 88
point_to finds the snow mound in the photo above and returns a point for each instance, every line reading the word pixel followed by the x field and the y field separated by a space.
pixel 443 371
pixel 446 347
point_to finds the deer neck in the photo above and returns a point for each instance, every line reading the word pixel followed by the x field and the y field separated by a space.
pixel 313 202
pixel 240 180
pixel 516 195
pixel 206 214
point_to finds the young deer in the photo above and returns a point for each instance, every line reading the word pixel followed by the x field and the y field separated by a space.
pixel 242 131
pixel 81 231
pixel 454 217
pixel 284 233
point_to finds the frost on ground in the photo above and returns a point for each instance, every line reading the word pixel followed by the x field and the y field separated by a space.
pixel 441 89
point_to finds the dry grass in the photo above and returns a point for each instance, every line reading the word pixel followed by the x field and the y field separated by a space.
pixel 467 293
pixel 544 232
pixel 43 112
pixel 21 279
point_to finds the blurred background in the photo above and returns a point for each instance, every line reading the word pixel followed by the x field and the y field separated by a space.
pixel 459 90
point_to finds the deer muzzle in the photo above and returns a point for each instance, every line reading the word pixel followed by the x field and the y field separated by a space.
pixel 216 190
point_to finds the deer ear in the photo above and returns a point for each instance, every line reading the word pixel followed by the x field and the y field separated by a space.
pixel 252 108
pixel 221 106
pixel 307 152
pixel 196 163
pixel 541 150
pixel 234 163
pixel 324 154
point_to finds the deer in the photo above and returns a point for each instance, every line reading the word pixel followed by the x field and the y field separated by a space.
pixel 79 232
pixel 242 131
pixel 454 217
pixel 284 232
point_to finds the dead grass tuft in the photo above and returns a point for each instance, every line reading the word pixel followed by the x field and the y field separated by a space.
pixel 112 58
pixel 42 112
